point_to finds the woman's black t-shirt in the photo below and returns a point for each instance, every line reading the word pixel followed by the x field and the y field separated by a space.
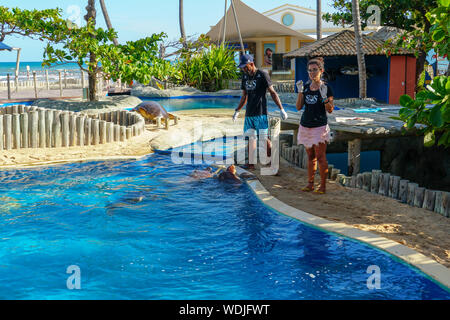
pixel 315 114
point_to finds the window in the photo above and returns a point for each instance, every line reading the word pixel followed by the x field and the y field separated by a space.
pixel 280 63
pixel 287 19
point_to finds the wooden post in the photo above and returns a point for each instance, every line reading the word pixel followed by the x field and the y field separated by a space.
pixel 65 117
pixel 34 123
pixel 128 133
pixel 123 118
pixel 46 80
pixel 41 128
pixel 123 133
pixel 109 132
pixel 35 85
pixel 82 79
pixel 24 125
pixel 411 193
pixel 375 182
pixel 384 184
pixel 442 203
pixel 80 130
pixel 330 167
pixel 102 133
pixel 334 173
pixel 419 196
pixel 88 131
pixel 446 204
pixel 72 129
pixel 367 180
pixel 9 86
pixel 429 199
pixel 95 132
pixel 16 131
pixel 65 79
pixel 403 191
pixel 359 180
pixel 116 133
pixel 7 125
pixel 48 128
pixel 56 128
pixel 354 157
pixel 394 184
pixel 60 86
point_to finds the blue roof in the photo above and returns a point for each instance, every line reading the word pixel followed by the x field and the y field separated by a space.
pixel 4 47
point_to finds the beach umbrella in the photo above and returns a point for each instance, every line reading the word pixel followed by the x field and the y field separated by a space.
pixel 5 47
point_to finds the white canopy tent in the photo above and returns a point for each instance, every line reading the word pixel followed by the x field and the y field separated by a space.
pixel 251 23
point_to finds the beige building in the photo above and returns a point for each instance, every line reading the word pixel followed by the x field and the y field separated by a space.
pixel 302 20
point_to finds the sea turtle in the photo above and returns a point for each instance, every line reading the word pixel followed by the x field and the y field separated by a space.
pixel 152 110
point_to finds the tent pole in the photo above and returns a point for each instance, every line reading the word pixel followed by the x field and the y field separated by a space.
pixel 224 22
pixel 237 27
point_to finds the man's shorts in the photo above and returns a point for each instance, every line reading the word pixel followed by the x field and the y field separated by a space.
pixel 256 126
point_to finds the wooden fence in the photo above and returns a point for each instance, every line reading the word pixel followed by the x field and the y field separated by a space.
pixel 377 182
pixel 24 127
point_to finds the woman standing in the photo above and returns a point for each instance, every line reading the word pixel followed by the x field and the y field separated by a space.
pixel 314 132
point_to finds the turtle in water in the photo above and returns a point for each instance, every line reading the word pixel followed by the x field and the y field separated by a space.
pixel 151 110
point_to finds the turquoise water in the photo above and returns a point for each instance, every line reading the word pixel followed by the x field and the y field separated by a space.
pixel 172 105
pixel 146 230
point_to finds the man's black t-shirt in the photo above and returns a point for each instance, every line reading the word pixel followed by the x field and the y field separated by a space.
pixel 315 114
pixel 256 87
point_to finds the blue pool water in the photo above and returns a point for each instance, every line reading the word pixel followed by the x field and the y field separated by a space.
pixel 145 230
pixel 172 105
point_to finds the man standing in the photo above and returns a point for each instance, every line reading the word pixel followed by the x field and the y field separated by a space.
pixel 255 84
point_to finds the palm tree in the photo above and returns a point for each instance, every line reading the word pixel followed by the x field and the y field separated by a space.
pixel 91 15
pixel 183 34
pixel 359 50
pixel 319 19
pixel 107 20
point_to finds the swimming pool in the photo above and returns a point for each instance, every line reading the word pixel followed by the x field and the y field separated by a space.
pixel 174 104
pixel 145 230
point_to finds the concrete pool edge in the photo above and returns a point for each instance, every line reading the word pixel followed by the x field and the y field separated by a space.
pixel 429 267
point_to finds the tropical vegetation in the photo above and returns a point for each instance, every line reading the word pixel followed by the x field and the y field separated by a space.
pixel 431 107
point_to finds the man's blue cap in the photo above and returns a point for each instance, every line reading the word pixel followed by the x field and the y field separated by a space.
pixel 245 58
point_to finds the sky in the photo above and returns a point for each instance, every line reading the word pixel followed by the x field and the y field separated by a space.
pixel 136 19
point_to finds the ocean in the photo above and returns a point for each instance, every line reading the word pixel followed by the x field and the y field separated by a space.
pixel 73 71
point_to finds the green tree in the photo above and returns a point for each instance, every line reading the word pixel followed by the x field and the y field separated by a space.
pixel 408 15
pixel 36 24
pixel 431 108
pixel 93 50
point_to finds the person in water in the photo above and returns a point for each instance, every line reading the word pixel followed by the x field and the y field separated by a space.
pixel 204 174
pixel 229 175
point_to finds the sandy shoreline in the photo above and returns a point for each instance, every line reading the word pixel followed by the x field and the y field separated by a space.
pixel 419 229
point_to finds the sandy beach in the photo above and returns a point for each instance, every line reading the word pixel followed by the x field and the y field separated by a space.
pixel 419 229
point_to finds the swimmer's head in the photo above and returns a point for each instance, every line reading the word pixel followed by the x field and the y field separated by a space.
pixel 209 169
pixel 232 169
